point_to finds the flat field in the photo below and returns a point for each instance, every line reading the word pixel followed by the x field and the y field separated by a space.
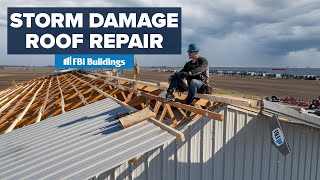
pixel 9 75
pixel 248 87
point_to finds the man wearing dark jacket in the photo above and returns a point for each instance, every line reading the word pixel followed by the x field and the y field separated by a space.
pixel 195 72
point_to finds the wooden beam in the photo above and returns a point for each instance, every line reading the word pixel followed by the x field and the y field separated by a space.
pixel 171 114
pixel 182 112
pixel 136 101
pixel 129 97
pixel 146 88
pixel 193 109
pixel 14 98
pixel 10 89
pixel 54 95
pixel 36 105
pixel 78 92
pixel 124 96
pixel 107 95
pixel 43 107
pixel 55 110
pixel 150 84
pixel 7 116
pixel 5 91
pixel 7 95
pixel 147 102
pixel 88 90
pixel 136 117
pixel 215 98
pixel 163 114
pixel 115 91
pixel 61 94
pixel 74 105
pixel 4 100
pixel 157 107
pixel 186 119
pixel 169 129
pixel 222 98
pixel 16 121
pixel 203 102
pixel 212 115
pixel 95 96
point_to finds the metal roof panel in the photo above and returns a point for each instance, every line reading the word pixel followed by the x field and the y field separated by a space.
pixel 81 143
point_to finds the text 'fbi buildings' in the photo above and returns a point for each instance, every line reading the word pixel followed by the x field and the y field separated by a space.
pixel 94 30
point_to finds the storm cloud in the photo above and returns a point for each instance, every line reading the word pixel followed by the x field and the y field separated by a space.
pixel 229 32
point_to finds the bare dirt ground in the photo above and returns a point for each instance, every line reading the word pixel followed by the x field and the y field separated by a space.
pixel 250 87
pixel 21 74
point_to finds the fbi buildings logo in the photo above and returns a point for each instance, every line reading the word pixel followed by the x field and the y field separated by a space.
pixel 78 61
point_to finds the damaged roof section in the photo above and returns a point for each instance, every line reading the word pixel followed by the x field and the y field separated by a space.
pixel 46 97
pixel 39 99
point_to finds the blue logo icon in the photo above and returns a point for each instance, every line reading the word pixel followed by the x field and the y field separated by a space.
pixel 94 61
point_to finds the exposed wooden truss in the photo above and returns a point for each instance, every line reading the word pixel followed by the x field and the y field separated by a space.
pixel 61 94
pixel 43 106
pixel 41 98
pixel 140 99
pixel 16 121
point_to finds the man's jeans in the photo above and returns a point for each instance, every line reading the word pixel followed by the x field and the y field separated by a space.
pixel 194 86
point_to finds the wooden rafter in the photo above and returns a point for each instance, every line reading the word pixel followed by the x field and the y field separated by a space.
pixel 16 121
pixel 87 91
pixel 61 94
pixel 214 98
pixel 169 129
pixel 77 91
pixel 193 109
pixel 163 114
pixel 107 95
pixel 36 105
pixel 11 93
pixel 54 97
pixel 68 91
pixel 143 97
pixel 9 90
pixel 136 117
pixel 14 98
pixel 43 106
pixel 13 109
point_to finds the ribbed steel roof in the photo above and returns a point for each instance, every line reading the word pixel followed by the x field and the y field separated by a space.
pixel 79 144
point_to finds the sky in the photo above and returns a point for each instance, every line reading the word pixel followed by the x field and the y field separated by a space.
pixel 255 33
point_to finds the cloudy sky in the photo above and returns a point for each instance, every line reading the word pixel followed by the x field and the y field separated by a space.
pixel 229 32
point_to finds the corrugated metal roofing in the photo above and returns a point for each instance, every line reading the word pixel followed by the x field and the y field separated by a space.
pixel 79 144
pixel 237 148
pixel 292 115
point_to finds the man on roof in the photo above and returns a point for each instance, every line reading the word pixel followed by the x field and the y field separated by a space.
pixel 194 77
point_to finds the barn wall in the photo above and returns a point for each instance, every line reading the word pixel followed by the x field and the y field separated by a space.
pixel 237 148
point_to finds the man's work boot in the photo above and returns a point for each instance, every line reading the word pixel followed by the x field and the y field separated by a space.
pixel 169 95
